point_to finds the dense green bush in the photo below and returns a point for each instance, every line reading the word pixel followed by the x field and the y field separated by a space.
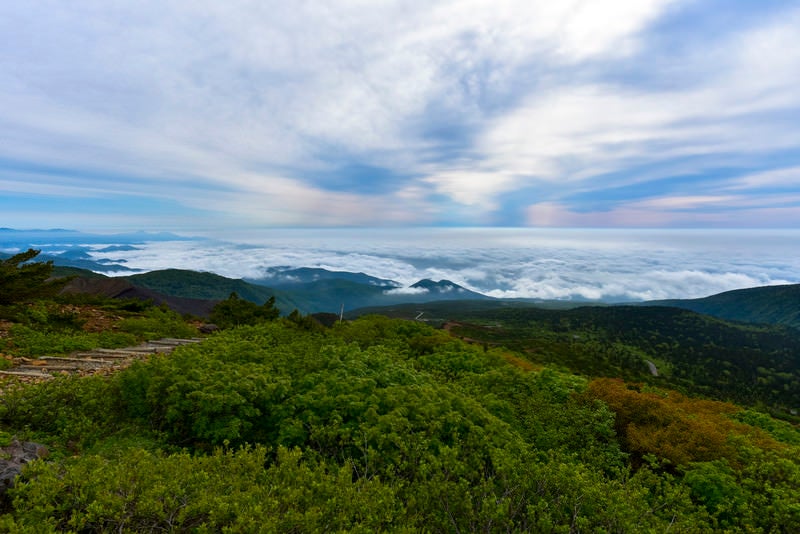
pixel 49 327
pixel 370 426
pixel 236 311
pixel 69 411
pixel 157 322
pixel 227 490
pixel 28 341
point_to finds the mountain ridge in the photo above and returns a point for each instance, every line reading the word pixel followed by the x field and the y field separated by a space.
pixel 774 304
pixel 314 290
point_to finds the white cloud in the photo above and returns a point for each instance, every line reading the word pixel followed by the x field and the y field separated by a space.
pixel 683 202
pixel 554 214
pixel 785 177
pixel 471 188
pixel 573 133
pixel 407 291
pixel 535 263
pixel 761 211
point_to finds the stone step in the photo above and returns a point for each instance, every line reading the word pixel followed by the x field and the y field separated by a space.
pixel 61 367
pixel 111 354
pixel 76 361
pixel 123 350
pixel 32 374
pixel 174 342
pixel 152 348
pixel 93 360
pixel 48 369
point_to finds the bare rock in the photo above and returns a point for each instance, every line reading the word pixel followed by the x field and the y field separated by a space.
pixel 14 457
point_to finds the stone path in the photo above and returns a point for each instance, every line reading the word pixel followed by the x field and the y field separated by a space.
pixel 90 362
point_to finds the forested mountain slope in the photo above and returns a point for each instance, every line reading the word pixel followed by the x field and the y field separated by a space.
pixel 210 286
pixel 312 292
pixel 768 304
pixel 121 288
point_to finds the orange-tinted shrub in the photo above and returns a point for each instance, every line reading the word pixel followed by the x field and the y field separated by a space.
pixel 668 424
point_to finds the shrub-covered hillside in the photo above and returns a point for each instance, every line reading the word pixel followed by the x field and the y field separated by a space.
pixel 386 425
pixel 280 425
pixel 754 365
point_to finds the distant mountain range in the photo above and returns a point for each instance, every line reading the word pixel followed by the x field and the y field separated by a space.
pixel 307 290
pixel 61 236
pixel 68 248
pixel 313 290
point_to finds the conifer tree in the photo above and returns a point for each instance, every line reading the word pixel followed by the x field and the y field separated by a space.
pixel 22 280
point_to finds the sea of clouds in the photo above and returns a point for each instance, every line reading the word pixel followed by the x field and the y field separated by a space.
pixel 610 265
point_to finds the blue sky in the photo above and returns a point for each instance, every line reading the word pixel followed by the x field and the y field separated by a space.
pixel 206 115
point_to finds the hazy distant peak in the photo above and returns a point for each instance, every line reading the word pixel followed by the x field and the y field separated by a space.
pixel 279 276
pixel 441 286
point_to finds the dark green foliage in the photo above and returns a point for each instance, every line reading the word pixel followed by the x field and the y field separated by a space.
pixel 22 280
pixel 27 341
pixel 374 425
pixel 306 322
pixel 749 364
pixel 61 271
pixel 771 304
pixel 210 286
pixel 193 284
pixel 73 411
pixel 235 311
pixel 156 322
pixel 49 315
pixel 49 328
pixel 231 490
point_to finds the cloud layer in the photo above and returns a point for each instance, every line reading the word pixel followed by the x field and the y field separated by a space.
pixel 202 115
pixel 616 265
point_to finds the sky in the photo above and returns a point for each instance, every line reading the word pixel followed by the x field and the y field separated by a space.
pixel 210 116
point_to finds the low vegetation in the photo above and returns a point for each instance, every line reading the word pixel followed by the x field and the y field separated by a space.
pixel 281 425
pixel 753 365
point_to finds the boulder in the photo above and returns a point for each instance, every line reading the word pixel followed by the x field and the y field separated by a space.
pixel 14 457
pixel 208 328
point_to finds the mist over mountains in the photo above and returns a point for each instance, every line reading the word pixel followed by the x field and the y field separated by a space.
pixel 567 265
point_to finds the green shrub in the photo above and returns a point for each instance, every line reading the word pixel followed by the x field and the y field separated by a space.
pixel 226 491
pixel 69 409
pixel 370 426
pixel 27 341
pixel 236 311
pixel 158 323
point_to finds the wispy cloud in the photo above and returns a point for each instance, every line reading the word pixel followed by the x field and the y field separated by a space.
pixel 275 113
